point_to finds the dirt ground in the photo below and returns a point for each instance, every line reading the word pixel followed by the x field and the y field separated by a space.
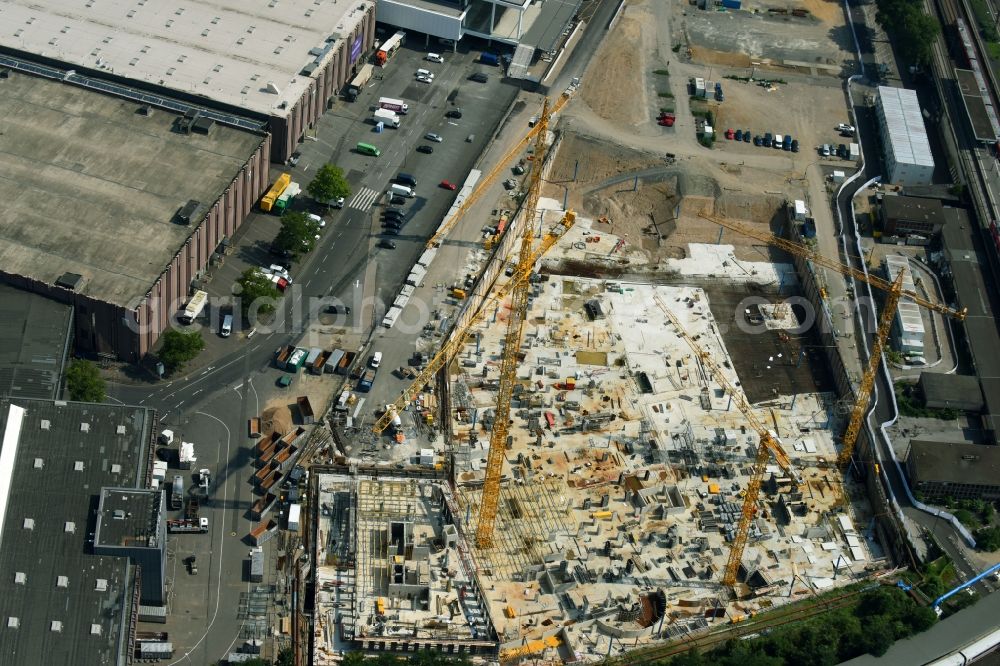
pixel 619 53
pixel 735 179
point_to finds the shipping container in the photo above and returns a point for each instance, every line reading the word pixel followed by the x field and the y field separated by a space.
pixel 294 515
pixel 333 361
pixel 256 565
pixel 305 409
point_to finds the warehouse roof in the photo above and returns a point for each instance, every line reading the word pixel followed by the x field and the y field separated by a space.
pixel 907 312
pixel 917 209
pixel 958 391
pixel 34 334
pixel 906 134
pixel 58 603
pixel 245 53
pixel 955 462
pixel 91 186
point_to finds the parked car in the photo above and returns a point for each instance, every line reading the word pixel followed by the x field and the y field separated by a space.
pixel 390 232
pixel 454 113
pixel 425 72
pixel 336 203
pixel 425 79
pixel 824 150
pixel 387 244
pixel 479 77
pixel 397 199
pixel 767 140
pixel 795 145
pixel 448 185
pixel 842 152
pixel 844 127
pixel 434 57
pixel 739 135
pixel 436 138
pixel 425 149
pixel 746 136
pixel 317 219
pixel 757 140
pixel 294 158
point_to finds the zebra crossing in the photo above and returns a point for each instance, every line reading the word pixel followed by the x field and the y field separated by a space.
pixel 364 199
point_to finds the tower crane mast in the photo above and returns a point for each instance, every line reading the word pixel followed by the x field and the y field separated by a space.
pixel 894 291
pixel 511 346
pixel 767 446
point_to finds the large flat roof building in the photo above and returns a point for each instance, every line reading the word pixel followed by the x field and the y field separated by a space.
pixel 59 603
pixel 34 341
pixel 954 469
pixel 91 189
pixel 276 61
pixel 905 146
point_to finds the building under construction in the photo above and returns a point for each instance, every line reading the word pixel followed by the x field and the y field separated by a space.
pixel 394 572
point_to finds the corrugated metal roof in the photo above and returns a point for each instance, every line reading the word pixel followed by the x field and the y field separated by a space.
pixel 906 135
pixel 907 312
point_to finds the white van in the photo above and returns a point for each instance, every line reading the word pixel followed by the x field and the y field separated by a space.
pixel 401 190
pixel 425 72
pixel 227 326
pixel 376 359
pixel 434 57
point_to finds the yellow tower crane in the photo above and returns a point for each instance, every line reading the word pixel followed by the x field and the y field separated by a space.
pixel 484 182
pixel 768 445
pixel 894 291
pixel 458 338
pixel 511 345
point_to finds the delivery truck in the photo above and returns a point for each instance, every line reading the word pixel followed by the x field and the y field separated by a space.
pixel 390 104
pixel 386 117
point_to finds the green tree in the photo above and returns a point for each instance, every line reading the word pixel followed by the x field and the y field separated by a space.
pixel 286 657
pixel 178 348
pixel 297 234
pixel 84 382
pixel 913 31
pixel 354 659
pixel 256 289
pixel 329 183
pixel 988 538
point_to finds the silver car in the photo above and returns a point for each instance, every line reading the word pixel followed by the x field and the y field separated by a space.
pixel 431 136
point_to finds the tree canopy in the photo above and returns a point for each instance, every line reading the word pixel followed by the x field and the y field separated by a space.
pixel 297 234
pixel 913 31
pixel 881 617
pixel 178 348
pixel 84 382
pixel 328 183
pixel 988 538
pixel 257 290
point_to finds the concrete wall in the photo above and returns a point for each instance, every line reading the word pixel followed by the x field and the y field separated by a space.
pixel 287 131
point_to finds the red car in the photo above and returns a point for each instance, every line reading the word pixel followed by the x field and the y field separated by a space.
pixel 730 134
pixel 666 119
pixel 448 185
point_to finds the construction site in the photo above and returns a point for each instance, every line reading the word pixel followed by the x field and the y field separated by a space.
pixel 629 429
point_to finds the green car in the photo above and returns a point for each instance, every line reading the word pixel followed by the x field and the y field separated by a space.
pixel 285 381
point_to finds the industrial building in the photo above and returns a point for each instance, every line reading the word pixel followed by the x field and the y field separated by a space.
pixel 960 263
pixel 954 469
pixel 522 27
pixel 944 391
pixel 908 324
pixel 258 64
pixel 904 216
pixel 905 147
pixel 61 602
pixel 35 333
pixel 66 171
